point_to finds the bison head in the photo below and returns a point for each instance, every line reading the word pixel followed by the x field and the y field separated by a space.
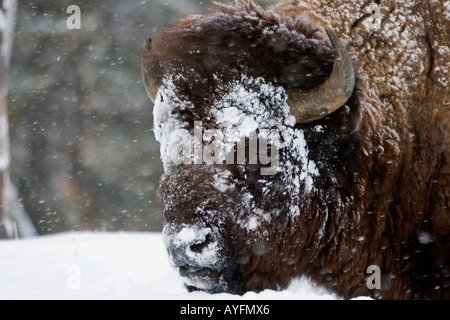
pixel 259 121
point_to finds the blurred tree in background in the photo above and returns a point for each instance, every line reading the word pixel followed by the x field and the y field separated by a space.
pixel 84 156
pixel 7 21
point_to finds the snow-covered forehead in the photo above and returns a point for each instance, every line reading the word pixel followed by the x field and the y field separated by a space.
pixel 250 104
pixel 241 107
pixel 245 108
pixel 244 105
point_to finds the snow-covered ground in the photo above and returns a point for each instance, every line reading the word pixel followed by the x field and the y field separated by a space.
pixel 107 266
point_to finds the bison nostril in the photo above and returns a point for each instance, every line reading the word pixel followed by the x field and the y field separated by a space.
pixel 198 247
pixel 192 246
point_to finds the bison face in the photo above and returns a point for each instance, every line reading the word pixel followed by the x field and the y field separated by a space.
pixel 253 130
pixel 237 183
pixel 232 184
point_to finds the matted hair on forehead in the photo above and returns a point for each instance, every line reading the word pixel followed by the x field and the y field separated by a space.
pixel 238 39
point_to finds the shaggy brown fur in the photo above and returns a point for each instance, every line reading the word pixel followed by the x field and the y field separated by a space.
pixel 388 148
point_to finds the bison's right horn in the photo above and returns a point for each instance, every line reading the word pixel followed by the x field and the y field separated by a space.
pixel 330 95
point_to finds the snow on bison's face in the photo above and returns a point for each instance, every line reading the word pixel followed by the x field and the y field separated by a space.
pixel 251 162
pixel 221 217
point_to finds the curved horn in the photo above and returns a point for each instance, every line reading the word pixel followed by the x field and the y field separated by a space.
pixel 151 83
pixel 152 86
pixel 330 95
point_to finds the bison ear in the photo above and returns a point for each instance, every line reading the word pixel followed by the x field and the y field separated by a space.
pixel 148 44
pixel 330 95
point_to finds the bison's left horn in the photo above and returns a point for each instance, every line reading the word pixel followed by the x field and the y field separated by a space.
pixel 330 95
pixel 152 84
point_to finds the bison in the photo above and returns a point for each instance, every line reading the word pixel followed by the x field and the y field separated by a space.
pixel 349 101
